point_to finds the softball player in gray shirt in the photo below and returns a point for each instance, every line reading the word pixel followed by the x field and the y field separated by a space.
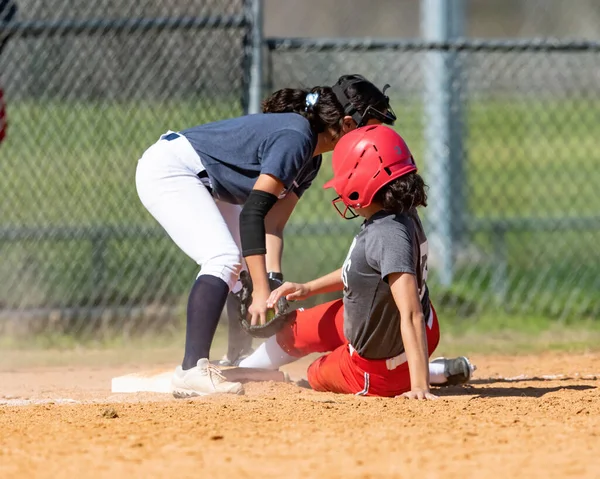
pixel 381 334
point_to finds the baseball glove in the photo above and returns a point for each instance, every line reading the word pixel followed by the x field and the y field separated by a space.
pixel 275 320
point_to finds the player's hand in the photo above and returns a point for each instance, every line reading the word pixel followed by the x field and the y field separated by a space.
pixel 420 395
pixel 258 309
pixel 291 292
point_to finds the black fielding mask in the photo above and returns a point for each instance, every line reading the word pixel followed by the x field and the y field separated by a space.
pixel 339 90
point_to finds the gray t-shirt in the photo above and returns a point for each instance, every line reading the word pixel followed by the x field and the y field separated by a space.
pixel 236 151
pixel 387 243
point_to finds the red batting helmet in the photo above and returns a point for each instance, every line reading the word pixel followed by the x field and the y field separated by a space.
pixel 365 160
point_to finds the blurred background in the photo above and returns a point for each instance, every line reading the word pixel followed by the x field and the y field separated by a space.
pixel 499 101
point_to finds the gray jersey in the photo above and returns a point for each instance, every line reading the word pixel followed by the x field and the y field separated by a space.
pixel 387 243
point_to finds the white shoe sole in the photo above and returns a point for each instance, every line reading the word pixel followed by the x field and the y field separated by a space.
pixel 180 393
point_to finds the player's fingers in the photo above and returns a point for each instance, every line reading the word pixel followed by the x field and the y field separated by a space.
pixel 257 319
pixel 274 297
pixel 418 395
pixel 278 293
pixel 293 296
pixel 431 397
pixel 298 294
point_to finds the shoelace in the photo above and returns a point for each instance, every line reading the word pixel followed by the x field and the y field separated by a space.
pixel 216 371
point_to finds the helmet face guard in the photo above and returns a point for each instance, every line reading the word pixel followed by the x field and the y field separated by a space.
pixel 388 117
pixel 348 213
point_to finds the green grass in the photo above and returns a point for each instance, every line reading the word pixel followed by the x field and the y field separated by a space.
pixel 492 335
pixel 498 333
pixel 73 165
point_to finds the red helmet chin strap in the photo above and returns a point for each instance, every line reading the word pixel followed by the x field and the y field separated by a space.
pixel 347 210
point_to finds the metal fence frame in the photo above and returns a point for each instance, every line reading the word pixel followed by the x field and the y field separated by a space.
pixel 99 236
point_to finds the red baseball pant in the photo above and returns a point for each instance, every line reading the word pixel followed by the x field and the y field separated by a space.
pixel 321 329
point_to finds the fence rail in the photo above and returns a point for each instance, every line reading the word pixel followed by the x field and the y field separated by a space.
pixel 32 29
pixel 368 44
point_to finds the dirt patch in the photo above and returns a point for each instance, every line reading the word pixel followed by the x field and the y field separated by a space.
pixel 526 416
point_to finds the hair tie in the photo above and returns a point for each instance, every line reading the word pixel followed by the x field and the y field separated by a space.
pixel 311 100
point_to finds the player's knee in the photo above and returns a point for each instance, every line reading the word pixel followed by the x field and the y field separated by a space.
pixel 226 265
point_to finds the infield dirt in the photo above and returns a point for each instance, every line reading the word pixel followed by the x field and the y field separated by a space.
pixel 523 416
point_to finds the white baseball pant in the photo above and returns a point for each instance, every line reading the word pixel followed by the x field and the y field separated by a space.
pixel 205 229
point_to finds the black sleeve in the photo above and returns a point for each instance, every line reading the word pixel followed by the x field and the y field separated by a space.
pixel 252 222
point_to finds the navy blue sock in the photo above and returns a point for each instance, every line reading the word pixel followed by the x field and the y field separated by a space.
pixel 205 304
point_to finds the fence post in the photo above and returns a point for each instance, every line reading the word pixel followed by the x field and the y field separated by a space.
pixel 256 58
pixel 443 20
pixel 500 265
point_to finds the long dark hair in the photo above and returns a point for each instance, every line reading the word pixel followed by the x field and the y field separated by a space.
pixel 327 112
pixel 402 194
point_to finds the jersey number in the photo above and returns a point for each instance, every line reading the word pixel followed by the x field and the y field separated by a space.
pixel 424 247
pixel 347 264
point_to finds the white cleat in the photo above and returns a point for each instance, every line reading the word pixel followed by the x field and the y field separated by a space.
pixel 457 370
pixel 202 380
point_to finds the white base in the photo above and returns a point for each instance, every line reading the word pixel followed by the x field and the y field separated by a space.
pixel 159 381
pixel 147 381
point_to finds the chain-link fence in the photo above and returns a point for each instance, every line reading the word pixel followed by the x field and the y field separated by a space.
pixel 85 97
pixel 89 86
pixel 522 211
